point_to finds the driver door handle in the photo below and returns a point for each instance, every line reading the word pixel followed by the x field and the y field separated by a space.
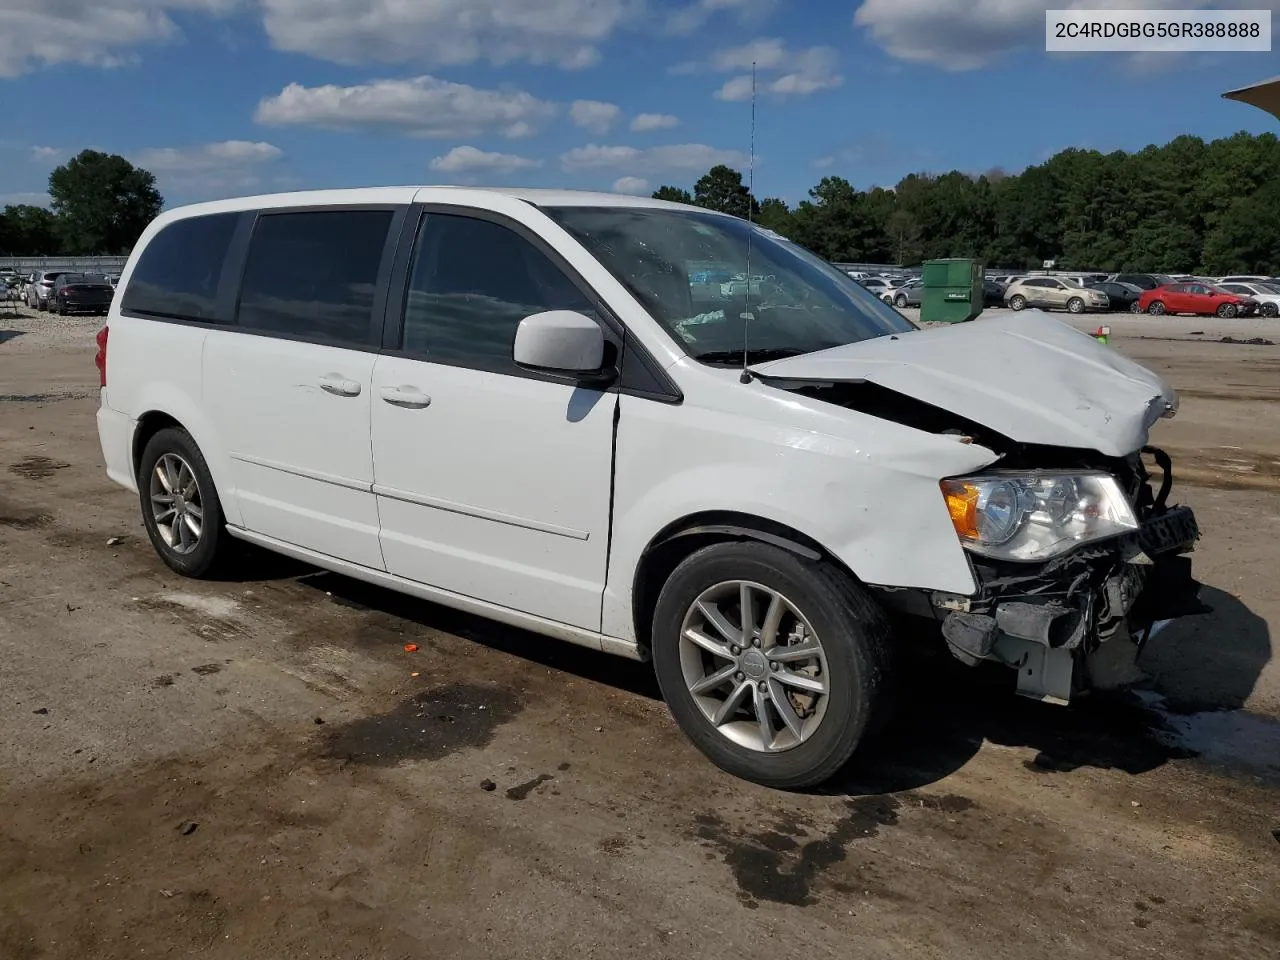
pixel 339 385
pixel 406 396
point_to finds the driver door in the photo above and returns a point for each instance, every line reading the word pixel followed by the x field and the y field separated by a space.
pixel 492 481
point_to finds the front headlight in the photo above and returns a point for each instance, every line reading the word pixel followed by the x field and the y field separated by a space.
pixel 1036 516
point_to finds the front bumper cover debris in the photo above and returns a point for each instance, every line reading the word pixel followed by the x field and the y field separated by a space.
pixel 1049 621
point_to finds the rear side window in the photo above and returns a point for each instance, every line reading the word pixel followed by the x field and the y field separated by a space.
pixel 471 283
pixel 314 275
pixel 178 273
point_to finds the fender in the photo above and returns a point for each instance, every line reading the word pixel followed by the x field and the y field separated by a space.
pixel 742 533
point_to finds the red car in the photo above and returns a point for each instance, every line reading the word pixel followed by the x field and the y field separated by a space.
pixel 1198 298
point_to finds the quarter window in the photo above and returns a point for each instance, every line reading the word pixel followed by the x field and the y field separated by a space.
pixel 178 273
pixel 314 275
pixel 471 283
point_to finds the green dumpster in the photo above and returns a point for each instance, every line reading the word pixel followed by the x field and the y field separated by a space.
pixel 952 291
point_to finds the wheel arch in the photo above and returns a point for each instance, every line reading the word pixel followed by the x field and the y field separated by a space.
pixel 158 416
pixel 682 538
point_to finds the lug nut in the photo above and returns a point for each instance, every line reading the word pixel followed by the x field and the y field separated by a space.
pixel 739 676
pixel 755 642
pixel 735 650
pixel 763 685
pixel 774 666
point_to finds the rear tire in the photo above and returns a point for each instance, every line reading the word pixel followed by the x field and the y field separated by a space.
pixel 1017 302
pixel 1134 308
pixel 190 541
pixel 1156 309
pixel 825 610
pixel 1075 305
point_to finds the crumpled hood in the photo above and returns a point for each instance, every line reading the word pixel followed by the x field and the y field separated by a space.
pixel 1028 376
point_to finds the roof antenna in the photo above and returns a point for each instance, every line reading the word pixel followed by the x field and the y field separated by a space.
pixel 751 230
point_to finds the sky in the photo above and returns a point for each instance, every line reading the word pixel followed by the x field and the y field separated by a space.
pixel 230 97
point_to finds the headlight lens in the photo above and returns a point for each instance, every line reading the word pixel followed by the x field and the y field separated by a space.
pixel 1036 516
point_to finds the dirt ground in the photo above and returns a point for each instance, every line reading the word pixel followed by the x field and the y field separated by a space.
pixel 257 768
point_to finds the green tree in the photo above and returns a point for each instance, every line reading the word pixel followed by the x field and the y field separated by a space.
pixel 722 189
pixel 102 203
pixel 775 215
pixel 27 231
pixel 674 194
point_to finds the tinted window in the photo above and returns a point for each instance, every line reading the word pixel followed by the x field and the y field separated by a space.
pixel 1236 288
pixel 178 273
pixel 315 274
pixel 471 283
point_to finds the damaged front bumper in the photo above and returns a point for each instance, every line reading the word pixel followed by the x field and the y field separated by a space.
pixel 1078 622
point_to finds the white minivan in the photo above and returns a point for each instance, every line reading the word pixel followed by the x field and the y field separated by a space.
pixel 517 403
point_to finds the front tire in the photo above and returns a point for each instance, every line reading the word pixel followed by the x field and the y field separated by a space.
pixel 788 705
pixel 1134 307
pixel 180 506
pixel 1075 305
pixel 1017 302
pixel 1227 311
pixel 1156 309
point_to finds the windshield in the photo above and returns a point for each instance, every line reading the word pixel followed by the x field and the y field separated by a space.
pixel 672 261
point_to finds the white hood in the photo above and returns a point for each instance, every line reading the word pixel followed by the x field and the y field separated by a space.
pixel 1029 377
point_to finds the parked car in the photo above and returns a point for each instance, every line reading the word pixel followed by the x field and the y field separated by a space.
pixel 81 293
pixel 287 370
pixel 910 294
pixel 992 294
pixel 1196 298
pixel 1122 296
pixel 1054 293
pixel 877 285
pixel 40 288
pixel 1266 295
pixel 1255 278
pixel 1144 281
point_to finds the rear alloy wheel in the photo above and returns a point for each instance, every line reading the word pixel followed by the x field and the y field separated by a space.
pixel 775 666
pixel 62 308
pixel 180 507
pixel 1227 311
pixel 900 301
pixel 1075 305
pixel 1017 302
pixel 1270 310
pixel 1156 309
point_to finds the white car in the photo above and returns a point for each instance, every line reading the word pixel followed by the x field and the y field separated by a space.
pixel 1267 295
pixel 507 402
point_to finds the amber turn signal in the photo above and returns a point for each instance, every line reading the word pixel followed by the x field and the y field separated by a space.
pixel 962 504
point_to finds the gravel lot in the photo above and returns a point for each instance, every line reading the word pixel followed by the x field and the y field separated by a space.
pixel 256 767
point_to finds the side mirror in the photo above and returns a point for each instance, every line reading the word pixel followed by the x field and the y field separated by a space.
pixel 559 341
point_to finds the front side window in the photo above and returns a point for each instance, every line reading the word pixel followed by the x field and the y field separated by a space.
pixel 471 283
pixel 314 275
pixel 796 302
pixel 178 273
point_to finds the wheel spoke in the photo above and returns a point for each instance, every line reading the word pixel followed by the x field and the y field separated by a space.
pixel 163 477
pixel 800 681
pixel 713 680
pixel 788 714
pixel 712 646
pixel 731 703
pixel 790 654
pixel 746 613
pixel 166 516
pixel 172 473
pixel 720 622
pixel 772 620
pixel 192 524
pixel 761 702
pixel 195 510
pixel 179 533
pixel 164 499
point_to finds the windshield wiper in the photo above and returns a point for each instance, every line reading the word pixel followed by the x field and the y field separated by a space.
pixel 754 355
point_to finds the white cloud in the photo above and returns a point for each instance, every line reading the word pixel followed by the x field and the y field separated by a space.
pixel 594 115
pixel 678 158
pixel 209 169
pixel 645 122
pixel 207 156
pixel 781 72
pixel 420 107
pixel 823 163
pixel 968 34
pixel 92 33
pixel 563 32
pixel 633 185
pixel 467 159
pixel 692 17
pixel 47 154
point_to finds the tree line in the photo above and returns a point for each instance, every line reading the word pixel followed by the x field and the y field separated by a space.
pixel 1187 206
pixel 99 205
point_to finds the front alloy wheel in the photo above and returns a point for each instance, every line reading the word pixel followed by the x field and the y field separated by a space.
pixel 1017 302
pixel 1227 311
pixel 754 666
